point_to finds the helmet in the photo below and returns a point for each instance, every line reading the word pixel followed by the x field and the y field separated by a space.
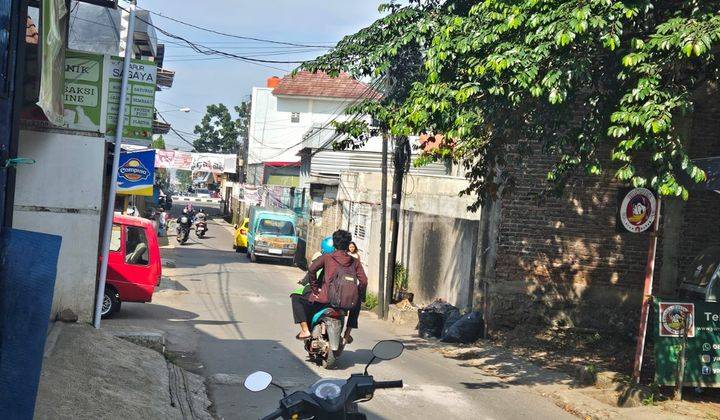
pixel 185 210
pixel 326 246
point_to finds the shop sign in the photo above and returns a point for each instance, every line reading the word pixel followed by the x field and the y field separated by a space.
pixel 140 98
pixel 84 87
pixel 702 354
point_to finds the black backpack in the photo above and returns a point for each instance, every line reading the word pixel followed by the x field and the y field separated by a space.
pixel 343 287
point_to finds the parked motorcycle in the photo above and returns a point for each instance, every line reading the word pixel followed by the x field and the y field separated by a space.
pixel 330 399
pixel 200 229
pixel 183 229
pixel 325 344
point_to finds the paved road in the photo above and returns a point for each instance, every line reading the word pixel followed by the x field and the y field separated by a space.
pixel 228 317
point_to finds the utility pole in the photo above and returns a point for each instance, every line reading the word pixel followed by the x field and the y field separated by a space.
pixel 382 289
pixel 401 159
pixel 110 210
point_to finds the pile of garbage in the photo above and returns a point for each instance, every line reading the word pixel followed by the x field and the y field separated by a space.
pixel 444 321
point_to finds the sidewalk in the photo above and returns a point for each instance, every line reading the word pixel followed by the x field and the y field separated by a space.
pixel 90 374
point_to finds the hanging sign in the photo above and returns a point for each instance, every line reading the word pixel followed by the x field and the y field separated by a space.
pixel 638 210
pixel 136 173
pixel 140 99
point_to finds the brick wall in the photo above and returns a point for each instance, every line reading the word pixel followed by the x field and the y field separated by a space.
pixel 701 224
pixel 562 260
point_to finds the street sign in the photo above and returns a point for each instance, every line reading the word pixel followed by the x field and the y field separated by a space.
pixel 702 368
pixel 140 103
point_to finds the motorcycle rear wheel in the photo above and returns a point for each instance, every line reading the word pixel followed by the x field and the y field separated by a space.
pixel 329 361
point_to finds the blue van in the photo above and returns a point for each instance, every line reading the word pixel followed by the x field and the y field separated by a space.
pixel 272 234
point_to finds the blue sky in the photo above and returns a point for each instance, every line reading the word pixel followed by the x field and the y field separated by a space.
pixel 199 83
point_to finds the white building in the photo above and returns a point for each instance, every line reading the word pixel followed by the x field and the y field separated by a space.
pixel 284 111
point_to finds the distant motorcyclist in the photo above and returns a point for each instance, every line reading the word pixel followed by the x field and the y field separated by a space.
pixel 189 210
pixel 316 298
pixel 200 216
pixel 185 219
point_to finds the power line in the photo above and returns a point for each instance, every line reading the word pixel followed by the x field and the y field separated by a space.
pixel 204 49
pixel 248 38
pixel 175 131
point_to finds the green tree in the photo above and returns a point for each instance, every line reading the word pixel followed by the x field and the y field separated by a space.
pixel 184 178
pixel 218 132
pixel 158 143
pixel 595 84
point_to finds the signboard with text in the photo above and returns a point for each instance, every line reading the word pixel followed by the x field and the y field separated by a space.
pixel 84 91
pixel 702 320
pixel 92 95
pixel 140 99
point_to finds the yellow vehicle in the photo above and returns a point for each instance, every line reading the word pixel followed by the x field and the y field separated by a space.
pixel 241 240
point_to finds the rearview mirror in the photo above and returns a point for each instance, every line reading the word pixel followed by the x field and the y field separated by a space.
pixel 388 349
pixel 258 381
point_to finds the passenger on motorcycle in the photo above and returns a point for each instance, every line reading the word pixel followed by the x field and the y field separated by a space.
pixel 315 298
pixel 200 216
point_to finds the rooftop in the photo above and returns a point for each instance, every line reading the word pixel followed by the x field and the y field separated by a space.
pixel 321 85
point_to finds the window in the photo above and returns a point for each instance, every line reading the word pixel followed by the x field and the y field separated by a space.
pixel 276 227
pixel 115 238
pixel 136 247
pixel 295 117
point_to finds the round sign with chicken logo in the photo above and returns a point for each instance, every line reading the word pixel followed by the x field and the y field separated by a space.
pixel 638 210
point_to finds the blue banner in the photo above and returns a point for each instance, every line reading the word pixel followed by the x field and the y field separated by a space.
pixel 136 173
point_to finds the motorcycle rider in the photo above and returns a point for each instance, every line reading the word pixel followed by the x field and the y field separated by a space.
pixel 187 224
pixel 316 298
pixel 200 216
pixel 189 210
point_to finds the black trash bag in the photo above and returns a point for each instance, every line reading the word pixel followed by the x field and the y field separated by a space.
pixel 431 319
pixel 465 330
pixel 451 317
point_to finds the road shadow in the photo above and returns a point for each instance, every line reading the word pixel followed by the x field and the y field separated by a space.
pixel 352 358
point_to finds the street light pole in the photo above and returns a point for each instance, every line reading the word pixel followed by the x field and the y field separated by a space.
pixel 110 210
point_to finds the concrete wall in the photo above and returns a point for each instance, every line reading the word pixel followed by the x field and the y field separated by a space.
pixel 437 234
pixel 62 194
pixel 437 252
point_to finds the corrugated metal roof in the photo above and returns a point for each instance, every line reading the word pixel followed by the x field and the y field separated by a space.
pixel 329 162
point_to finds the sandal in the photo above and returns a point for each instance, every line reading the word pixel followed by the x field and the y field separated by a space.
pixel 302 338
pixel 348 339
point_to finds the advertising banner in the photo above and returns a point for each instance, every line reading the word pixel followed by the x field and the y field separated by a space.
pixel 140 102
pixel 196 162
pixel 136 173
pixel 215 163
pixel 702 355
pixel 84 91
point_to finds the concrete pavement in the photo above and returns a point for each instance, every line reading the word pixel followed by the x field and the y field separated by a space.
pixel 226 317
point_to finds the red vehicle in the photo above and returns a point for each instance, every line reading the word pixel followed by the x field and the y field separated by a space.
pixel 134 267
